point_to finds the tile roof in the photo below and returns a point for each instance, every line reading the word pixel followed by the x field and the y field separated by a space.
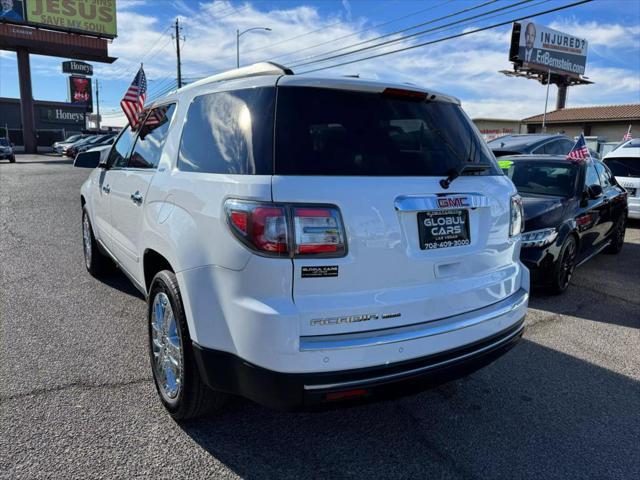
pixel 588 114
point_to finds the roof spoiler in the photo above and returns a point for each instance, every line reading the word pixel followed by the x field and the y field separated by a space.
pixel 257 69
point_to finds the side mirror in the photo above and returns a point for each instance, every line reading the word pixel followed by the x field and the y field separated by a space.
pixel 87 160
pixel 595 191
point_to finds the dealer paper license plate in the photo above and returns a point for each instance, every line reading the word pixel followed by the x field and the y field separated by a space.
pixel 443 228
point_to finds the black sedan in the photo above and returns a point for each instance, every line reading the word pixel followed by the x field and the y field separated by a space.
pixel 533 144
pixel 572 212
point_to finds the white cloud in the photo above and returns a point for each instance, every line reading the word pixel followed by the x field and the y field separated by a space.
pixel 601 34
pixel 467 67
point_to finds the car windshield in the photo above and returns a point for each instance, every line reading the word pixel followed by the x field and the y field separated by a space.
pixel 334 132
pixel 624 166
pixel 3 142
pixel 73 138
pixel 554 178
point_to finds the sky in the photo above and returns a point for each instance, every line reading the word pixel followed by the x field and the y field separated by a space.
pixel 305 31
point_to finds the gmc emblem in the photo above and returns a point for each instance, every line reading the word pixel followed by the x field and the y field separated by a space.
pixel 453 202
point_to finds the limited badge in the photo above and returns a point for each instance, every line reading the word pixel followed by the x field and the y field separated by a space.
pixel 320 272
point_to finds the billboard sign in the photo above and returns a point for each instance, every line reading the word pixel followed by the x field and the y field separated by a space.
pixel 79 68
pixel 89 17
pixel 80 92
pixel 12 10
pixel 540 48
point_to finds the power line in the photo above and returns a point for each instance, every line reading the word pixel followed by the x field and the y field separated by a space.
pixel 286 40
pixel 420 33
pixel 381 25
pixel 128 69
pixel 204 74
pixel 410 47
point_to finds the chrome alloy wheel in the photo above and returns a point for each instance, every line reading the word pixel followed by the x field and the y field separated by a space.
pixel 167 347
pixel 86 239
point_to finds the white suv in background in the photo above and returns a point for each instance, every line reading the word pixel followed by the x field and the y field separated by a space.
pixel 305 241
pixel 624 163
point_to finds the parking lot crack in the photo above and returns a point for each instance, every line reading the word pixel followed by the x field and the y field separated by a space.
pixel 81 385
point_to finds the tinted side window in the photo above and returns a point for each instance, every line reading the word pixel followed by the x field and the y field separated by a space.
pixel 119 154
pixel 592 176
pixel 604 175
pixel 566 146
pixel 555 147
pixel 229 132
pixel 151 138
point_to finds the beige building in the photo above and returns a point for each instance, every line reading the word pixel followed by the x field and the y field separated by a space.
pixel 603 126
pixel 491 128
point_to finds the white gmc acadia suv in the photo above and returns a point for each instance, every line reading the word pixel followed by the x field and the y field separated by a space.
pixel 308 241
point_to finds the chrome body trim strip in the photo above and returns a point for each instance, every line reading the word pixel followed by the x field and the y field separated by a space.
pixel 419 203
pixel 416 331
pixel 399 375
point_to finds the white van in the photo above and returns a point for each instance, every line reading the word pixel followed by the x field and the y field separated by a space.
pixel 304 241
pixel 624 163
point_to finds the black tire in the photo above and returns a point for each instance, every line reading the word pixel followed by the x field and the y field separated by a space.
pixel 565 266
pixel 12 159
pixel 617 237
pixel 193 397
pixel 97 263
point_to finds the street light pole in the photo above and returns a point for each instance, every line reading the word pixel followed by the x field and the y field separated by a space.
pixel 238 35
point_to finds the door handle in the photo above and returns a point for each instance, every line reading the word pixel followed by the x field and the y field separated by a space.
pixel 106 189
pixel 137 198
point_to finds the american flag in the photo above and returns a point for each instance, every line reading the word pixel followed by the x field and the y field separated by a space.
pixel 627 136
pixel 157 116
pixel 579 152
pixel 133 102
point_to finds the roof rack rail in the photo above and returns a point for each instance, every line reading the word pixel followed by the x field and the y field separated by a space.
pixel 262 68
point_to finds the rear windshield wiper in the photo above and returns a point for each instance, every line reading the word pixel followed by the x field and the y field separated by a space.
pixel 463 167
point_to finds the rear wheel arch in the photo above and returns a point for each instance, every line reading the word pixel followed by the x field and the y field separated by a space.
pixel 154 262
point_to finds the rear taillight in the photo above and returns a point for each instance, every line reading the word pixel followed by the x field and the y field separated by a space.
pixel 286 230
pixel 318 231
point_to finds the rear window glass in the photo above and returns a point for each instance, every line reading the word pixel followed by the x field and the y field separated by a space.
pixel 229 132
pixel 334 132
pixel 624 167
pixel 3 142
pixel 538 177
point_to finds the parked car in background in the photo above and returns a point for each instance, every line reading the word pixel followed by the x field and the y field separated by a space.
pixel 304 241
pixel 85 144
pixel 572 212
pixel 534 143
pixel 624 163
pixel 6 150
pixel 60 147
pixel 107 139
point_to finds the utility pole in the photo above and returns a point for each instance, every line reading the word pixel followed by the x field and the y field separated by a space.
pixel 98 104
pixel 178 53
pixel 546 102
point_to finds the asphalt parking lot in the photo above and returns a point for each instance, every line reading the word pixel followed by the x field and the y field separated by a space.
pixel 77 399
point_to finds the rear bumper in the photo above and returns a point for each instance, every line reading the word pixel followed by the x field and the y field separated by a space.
pixel 295 391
